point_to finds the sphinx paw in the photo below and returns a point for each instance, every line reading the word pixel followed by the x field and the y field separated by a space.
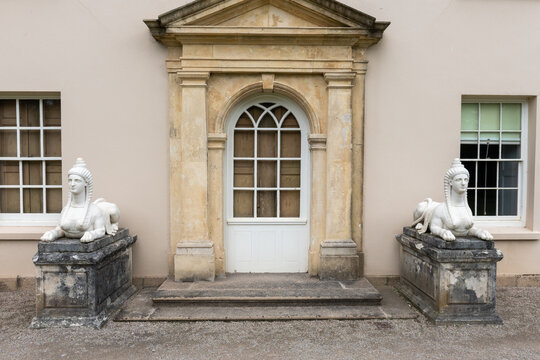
pixel 448 236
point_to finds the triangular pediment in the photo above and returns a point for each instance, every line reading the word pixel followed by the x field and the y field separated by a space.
pixel 266 13
pixel 266 21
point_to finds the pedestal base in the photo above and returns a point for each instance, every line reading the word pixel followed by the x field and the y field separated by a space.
pixel 449 281
pixel 80 284
pixel 194 261
pixel 339 260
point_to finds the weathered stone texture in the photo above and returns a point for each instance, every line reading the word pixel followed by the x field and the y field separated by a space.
pixel 78 284
pixel 449 281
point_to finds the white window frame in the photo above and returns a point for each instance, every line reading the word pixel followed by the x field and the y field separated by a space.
pixel 304 164
pixel 30 219
pixel 498 220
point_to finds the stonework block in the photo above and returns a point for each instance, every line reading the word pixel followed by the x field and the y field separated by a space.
pixel 80 284
pixel 194 261
pixel 450 282
pixel 339 260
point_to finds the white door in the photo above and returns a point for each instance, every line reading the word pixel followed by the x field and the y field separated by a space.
pixel 267 187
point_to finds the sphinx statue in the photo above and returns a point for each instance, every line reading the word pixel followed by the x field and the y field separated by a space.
pixel 81 219
pixel 453 217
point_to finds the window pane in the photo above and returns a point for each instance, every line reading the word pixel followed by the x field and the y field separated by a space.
pixel 471 166
pixel 290 144
pixel 279 112
pixel 30 143
pixel 33 200
pixel 467 136
pixel 511 116
pixel 489 116
pixel 255 113
pixel 289 204
pixel 511 151
pixel 244 121
pixel 508 202
pixel 487 174
pixel 52 141
pixel 9 201
pixel 266 204
pixel 53 172
pixel 489 151
pixel 290 122
pixel 29 112
pixel 54 200
pixel 290 173
pixel 508 174
pixel 266 173
pixel 267 122
pixel 32 173
pixel 9 173
pixel 8 113
pixel 8 143
pixel 486 202
pixel 470 199
pixel 243 173
pixel 489 136
pixel 267 144
pixel 469 116
pixel 243 143
pixel 243 203
pixel 51 113
pixel 469 151
pixel 511 136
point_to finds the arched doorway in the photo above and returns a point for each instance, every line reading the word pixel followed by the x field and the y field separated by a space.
pixel 267 186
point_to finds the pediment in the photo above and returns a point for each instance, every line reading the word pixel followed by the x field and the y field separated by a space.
pixel 215 17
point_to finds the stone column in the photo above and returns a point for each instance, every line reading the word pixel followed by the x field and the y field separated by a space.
pixel 339 259
pixel 360 66
pixel 317 143
pixel 216 147
pixel 175 155
pixel 194 259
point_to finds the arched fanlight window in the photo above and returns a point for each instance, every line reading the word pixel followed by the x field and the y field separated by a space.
pixel 267 163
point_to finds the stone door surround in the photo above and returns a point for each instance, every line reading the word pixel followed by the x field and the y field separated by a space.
pixel 222 51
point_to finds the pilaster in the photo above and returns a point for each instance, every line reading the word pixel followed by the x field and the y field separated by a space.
pixel 317 146
pixel 194 259
pixel 216 148
pixel 339 259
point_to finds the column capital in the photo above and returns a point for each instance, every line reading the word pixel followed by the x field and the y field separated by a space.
pixel 340 79
pixel 216 141
pixel 192 78
pixel 317 142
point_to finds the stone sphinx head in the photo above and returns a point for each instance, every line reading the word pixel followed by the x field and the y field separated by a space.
pixel 80 179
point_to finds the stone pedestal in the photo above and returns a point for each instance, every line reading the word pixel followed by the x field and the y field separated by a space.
pixel 449 281
pixel 80 284
pixel 194 261
pixel 339 260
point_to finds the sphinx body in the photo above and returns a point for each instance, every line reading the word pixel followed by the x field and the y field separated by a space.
pixel 81 219
pixel 453 217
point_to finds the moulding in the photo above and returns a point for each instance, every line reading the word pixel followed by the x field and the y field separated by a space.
pixel 216 141
pixel 317 141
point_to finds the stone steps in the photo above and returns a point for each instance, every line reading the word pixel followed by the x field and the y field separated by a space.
pixel 268 290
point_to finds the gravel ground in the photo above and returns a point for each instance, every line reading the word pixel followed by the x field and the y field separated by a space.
pixel 518 338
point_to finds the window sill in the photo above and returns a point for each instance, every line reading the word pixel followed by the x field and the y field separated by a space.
pixel 513 234
pixel 267 221
pixel 22 233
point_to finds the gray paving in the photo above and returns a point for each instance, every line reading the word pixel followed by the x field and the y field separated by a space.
pixel 404 339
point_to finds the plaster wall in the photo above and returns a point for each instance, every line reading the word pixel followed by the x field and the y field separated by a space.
pixel 433 53
pixel 114 88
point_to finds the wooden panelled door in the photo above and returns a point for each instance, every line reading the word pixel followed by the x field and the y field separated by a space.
pixel 267 185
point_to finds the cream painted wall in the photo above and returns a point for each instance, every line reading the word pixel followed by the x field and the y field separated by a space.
pixel 114 89
pixel 433 53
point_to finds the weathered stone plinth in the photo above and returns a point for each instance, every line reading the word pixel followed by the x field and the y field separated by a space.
pixel 339 260
pixel 194 261
pixel 449 281
pixel 80 284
